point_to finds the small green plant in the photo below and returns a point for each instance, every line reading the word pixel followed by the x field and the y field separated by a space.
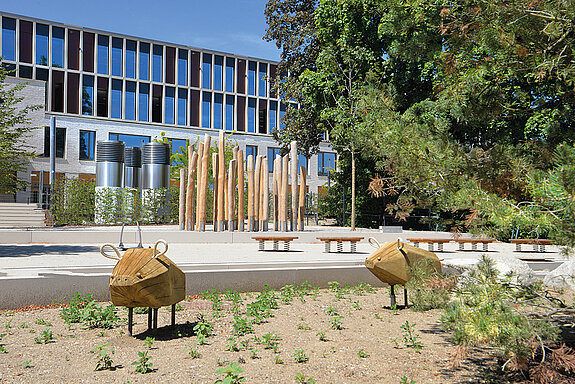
pixel 221 362
pixel 192 351
pixel 232 374
pixel 242 326
pixel 27 364
pixel 321 335
pixel 278 360
pixel 2 348
pixel 405 380
pixel 362 354
pixel 331 311
pixel 140 310
pixel 102 356
pixel 201 339
pixel 233 345
pixel 254 354
pixel 24 325
pixel 356 305
pixel 245 344
pixel 149 342
pixel 41 321
pixel 8 325
pixel 84 309
pixel 300 356
pixel 47 337
pixel 270 341
pixel 336 323
pixel 410 338
pixel 143 364
pixel 303 379
pixel 203 327
pixel 303 327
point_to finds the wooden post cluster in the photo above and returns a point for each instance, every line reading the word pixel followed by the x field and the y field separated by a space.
pixel 234 207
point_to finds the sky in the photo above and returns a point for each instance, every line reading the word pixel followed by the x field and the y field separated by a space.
pixel 231 26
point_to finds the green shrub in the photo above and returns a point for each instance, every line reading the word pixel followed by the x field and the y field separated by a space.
pixel 85 310
pixel 72 201
pixel 427 288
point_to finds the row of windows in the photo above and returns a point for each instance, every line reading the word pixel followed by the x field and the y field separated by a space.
pixel 45 45
pixel 87 147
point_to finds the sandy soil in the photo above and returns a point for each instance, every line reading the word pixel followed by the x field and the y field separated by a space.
pixel 368 325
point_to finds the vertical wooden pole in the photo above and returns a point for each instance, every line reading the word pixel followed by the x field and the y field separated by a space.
pixel 302 190
pixel 226 200
pixel 294 205
pixel 241 187
pixel 234 184
pixel 221 185
pixel 231 196
pixel 277 164
pixel 199 183
pixel 182 200
pixel 191 189
pixel 250 193
pixel 257 175
pixel 205 171
pixel 284 193
pixel 215 190
pixel 265 194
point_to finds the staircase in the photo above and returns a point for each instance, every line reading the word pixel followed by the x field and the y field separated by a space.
pixel 21 215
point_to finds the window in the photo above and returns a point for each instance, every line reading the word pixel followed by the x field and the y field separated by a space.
pixel 103 42
pixel 178 146
pixel 57 47
pixel 218 110
pixel 88 52
pixel 282 113
pixel 169 105
pixel 182 67
pixel 144 61
pixel 241 113
pixel 251 115
pixel 229 112
pixel 143 101
pixel 206 109
pixel 302 162
pixel 241 76
pixel 60 142
pixel 171 65
pixel 195 108
pixel 130 59
pixel 73 49
pixel 262 79
pixel 206 71
pixel 182 106
pixel 195 69
pixel 9 39
pixel 57 91
pixel 262 117
pixel 272 153
pixel 130 101
pixel 102 97
pixel 325 163
pixel 230 64
pixel 25 72
pixel 252 67
pixel 73 92
pixel 157 63
pixel 273 116
pixel 88 95
pixel 116 99
pixel 117 53
pixel 42 54
pixel 87 145
pixel 251 150
pixel 130 140
pixel 25 45
pixel 218 72
pixel 157 103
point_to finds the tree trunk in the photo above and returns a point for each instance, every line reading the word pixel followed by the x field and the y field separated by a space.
pixel 352 190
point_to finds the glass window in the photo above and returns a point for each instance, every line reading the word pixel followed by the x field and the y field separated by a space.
pixel 73 88
pixel 42 44
pixel 282 113
pixel 272 153
pixel 57 91
pixel 195 108
pixel 103 42
pixel 157 103
pixel 157 63
pixel 230 64
pixel 130 140
pixel 131 59
pixel 117 53
pixel 87 145
pixel 218 72
pixel 9 39
pixel 25 72
pixel 130 101
pixel 57 47
pixel 102 97
pixel 25 42
pixel 206 109
pixel 60 142
pixel 178 146
pixel 88 95
pixel 325 163
pixel 251 115
pixel 206 71
pixel 241 113
pixel 251 150
pixel 144 61
pixel 143 102
pixel 169 105
pixel 73 49
pixel 170 65
pixel 262 90
pixel 218 110
pixel 241 77
pixel 182 106
pixel 262 116
pixel 273 116
pixel 116 99
pixel 182 67
pixel 229 112
pixel 195 69
pixel 302 162
pixel 88 51
pixel 252 67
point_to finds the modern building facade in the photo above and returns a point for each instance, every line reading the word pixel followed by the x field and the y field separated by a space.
pixel 106 86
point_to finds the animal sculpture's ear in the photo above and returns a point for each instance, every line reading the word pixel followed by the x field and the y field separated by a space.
pixel 117 257
pixel 154 254
pixel 399 244
pixel 373 242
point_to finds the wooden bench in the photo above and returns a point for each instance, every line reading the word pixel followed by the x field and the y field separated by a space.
pixel 538 244
pixel 276 240
pixel 474 242
pixel 430 243
pixel 339 240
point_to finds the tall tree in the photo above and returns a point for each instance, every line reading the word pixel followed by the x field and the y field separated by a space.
pixel 14 129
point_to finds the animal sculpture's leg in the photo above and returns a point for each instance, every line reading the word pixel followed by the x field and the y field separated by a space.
pixel 173 315
pixel 392 295
pixel 149 318
pixel 130 320
pixel 155 325
pixel 353 247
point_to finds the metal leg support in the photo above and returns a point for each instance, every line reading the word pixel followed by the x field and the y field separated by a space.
pixel 517 247
pixel 405 296
pixel 327 246
pixel 440 247
pixel 542 248
pixel 485 247
pixel 474 246
pixel 353 247
pixel 461 246
pixel 155 322
pixel 261 245
pixel 392 296
pixel 430 247
pixel 535 248
pixel 130 320
pixel 149 318
pixel 339 246
pixel 286 245
pixel 276 245
pixel 173 315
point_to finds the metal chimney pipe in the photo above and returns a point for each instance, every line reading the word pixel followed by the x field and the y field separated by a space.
pixel 133 168
pixel 110 163
pixel 156 166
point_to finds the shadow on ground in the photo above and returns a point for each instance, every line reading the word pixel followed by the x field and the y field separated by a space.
pixel 39 250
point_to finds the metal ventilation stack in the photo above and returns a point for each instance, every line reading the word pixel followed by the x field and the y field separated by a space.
pixel 109 181
pixel 155 181
pixel 132 182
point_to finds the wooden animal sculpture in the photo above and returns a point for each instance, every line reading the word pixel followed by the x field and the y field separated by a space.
pixel 390 262
pixel 143 277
